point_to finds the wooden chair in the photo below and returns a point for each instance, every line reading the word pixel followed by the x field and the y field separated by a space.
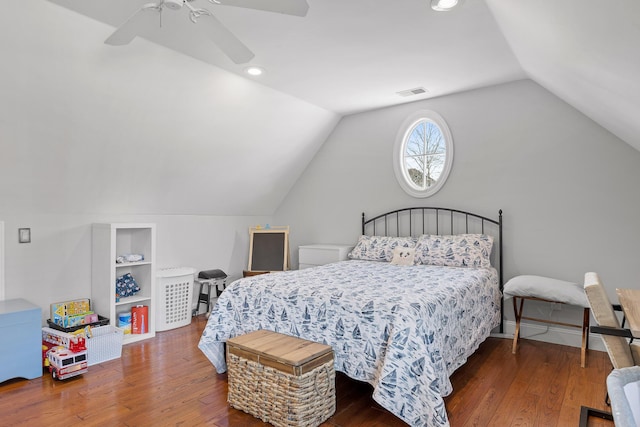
pixel 618 342
pixel 623 352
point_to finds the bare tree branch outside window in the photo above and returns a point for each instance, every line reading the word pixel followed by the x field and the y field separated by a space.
pixel 425 154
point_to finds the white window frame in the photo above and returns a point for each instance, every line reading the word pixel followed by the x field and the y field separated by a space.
pixel 399 147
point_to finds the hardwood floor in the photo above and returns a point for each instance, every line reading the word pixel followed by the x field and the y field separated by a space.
pixel 167 381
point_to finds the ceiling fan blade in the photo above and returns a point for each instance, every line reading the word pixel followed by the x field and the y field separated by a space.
pixel 288 7
pixel 131 27
pixel 225 39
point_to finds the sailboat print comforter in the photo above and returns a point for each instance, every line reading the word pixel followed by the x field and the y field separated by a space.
pixel 402 329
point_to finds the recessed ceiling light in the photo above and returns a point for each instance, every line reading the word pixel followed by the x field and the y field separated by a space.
pixel 254 71
pixel 444 5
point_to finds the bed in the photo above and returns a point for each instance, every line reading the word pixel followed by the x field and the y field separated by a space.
pixel 404 329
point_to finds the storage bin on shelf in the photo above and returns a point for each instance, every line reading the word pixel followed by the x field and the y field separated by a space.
pixel 174 295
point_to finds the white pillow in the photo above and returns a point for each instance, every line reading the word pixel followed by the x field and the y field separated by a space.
pixel 547 288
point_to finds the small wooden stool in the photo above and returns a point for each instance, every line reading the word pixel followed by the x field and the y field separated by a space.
pixel 537 288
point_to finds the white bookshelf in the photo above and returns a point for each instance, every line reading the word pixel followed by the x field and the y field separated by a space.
pixel 108 242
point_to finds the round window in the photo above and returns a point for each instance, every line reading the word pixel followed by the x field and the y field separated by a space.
pixel 423 154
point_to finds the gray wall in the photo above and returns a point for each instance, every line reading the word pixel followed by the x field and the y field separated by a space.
pixel 568 187
pixel 56 265
pixel 91 133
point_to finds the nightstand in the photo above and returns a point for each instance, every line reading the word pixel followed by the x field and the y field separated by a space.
pixel 314 255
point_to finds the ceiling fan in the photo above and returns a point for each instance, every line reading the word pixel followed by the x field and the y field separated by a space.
pixel 218 33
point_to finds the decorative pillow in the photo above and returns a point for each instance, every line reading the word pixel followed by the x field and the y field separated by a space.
pixel 461 250
pixel 403 256
pixel 547 288
pixel 379 248
pixel 126 286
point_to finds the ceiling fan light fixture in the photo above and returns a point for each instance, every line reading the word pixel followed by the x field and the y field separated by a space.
pixel 444 5
pixel 230 45
pixel 254 70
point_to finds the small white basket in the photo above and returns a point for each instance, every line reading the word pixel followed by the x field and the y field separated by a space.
pixel 105 344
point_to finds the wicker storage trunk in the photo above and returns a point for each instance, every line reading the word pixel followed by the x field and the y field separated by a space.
pixel 282 380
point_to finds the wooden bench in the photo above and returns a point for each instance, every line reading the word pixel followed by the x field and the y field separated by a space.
pixel 545 289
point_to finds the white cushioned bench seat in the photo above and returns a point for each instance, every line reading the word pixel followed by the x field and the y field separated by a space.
pixel 547 289
pixel 539 288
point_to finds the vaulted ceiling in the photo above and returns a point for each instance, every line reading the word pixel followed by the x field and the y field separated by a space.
pixel 169 125
pixel 351 56
pixel 583 51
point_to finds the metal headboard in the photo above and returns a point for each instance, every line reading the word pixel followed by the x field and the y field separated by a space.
pixel 430 220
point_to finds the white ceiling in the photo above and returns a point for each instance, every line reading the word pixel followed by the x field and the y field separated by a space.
pixel 345 56
pixel 354 55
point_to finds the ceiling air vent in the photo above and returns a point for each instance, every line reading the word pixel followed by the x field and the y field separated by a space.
pixel 412 92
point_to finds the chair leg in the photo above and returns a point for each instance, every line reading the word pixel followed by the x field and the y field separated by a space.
pixel 224 286
pixel 518 314
pixel 585 337
pixel 586 412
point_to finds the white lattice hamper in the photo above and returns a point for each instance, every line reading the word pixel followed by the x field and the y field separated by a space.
pixel 173 305
pixel 283 380
pixel 105 344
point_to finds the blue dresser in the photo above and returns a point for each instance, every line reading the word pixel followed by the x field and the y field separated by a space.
pixel 21 332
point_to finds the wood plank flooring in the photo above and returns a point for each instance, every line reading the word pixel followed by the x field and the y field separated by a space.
pixel 167 381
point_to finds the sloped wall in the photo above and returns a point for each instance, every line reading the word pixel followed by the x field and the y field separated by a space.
pixel 93 133
pixel 91 128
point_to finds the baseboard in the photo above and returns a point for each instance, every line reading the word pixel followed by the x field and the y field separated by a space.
pixel 551 334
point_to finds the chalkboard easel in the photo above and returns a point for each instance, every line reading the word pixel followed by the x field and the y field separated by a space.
pixel 269 249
